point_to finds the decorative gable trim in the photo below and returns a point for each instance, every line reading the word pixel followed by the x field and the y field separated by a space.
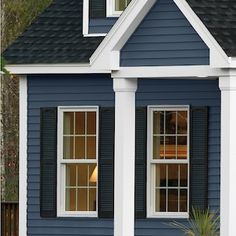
pixel 218 57
pixel 107 55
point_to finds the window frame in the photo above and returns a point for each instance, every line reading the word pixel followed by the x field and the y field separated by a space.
pixel 111 12
pixel 61 167
pixel 150 162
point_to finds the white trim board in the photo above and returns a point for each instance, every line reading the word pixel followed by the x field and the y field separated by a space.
pixel 86 22
pixel 54 69
pixel 107 55
pixel 218 57
pixel 23 157
pixel 170 72
pixel 61 212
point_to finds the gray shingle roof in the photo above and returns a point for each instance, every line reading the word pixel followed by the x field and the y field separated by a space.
pixel 55 37
pixel 219 16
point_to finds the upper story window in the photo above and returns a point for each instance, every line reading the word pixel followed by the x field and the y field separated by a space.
pixel 168 162
pixel 116 7
pixel 77 165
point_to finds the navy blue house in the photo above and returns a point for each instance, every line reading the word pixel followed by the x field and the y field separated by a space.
pixel 126 116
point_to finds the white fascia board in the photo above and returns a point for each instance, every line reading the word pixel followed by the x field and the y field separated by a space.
pixel 53 69
pixel 103 57
pixel 85 17
pixel 218 57
pixel 23 156
pixel 232 61
pixel 170 72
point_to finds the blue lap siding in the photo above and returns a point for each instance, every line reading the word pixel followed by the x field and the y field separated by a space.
pixel 164 38
pixel 57 90
pixel 103 25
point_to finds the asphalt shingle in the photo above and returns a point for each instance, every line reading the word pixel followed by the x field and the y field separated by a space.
pixel 55 37
pixel 219 16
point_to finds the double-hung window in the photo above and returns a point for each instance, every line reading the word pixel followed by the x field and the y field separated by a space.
pixel 116 7
pixel 77 161
pixel 168 161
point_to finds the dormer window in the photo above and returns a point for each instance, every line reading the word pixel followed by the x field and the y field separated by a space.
pixel 116 7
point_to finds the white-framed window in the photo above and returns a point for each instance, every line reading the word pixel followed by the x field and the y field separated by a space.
pixel 116 7
pixel 77 161
pixel 168 162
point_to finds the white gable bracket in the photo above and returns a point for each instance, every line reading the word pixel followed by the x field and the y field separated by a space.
pixel 218 57
pixel 107 55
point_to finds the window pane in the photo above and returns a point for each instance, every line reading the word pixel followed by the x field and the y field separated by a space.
pixel 182 122
pixel 121 4
pixel 183 200
pixel 80 123
pixel 91 147
pixel 82 199
pixel 183 175
pixel 172 200
pixel 92 199
pixel 79 147
pixel 91 123
pixel 170 122
pixel 170 147
pixel 68 123
pixel 182 149
pixel 158 122
pixel 68 148
pixel 93 174
pixel 172 175
pixel 71 175
pixel 83 175
pixel 160 200
pixel 70 199
pixel 158 147
pixel 160 175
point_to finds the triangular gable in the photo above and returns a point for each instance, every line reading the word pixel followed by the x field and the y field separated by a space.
pixel 107 55
pixel 164 38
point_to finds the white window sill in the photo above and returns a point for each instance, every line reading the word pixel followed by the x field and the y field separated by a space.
pixel 170 215
pixel 78 214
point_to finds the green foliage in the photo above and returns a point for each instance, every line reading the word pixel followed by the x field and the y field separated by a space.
pixel 17 15
pixel 201 223
pixel 2 66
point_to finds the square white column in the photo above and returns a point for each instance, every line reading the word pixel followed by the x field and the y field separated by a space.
pixel 124 175
pixel 228 155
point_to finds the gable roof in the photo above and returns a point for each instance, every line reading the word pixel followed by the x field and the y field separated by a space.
pixel 219 16
pixel 55 37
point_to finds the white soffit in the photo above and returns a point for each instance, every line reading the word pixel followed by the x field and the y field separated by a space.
pixel 53 69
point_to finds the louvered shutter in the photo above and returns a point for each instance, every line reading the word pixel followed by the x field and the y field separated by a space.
pixel 199 158
pixel 106 163
pixel 48 162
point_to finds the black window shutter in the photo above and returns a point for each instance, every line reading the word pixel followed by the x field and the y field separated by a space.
pixel 48 162
pixel 140 162
pixel 199 158
pixel 97 8
pixel 106 163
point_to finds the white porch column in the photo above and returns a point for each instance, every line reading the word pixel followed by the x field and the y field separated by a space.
pixel 228 155
pixel 124 156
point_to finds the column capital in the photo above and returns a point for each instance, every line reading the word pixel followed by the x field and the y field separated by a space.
pixel 227 83
pixel 125 85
